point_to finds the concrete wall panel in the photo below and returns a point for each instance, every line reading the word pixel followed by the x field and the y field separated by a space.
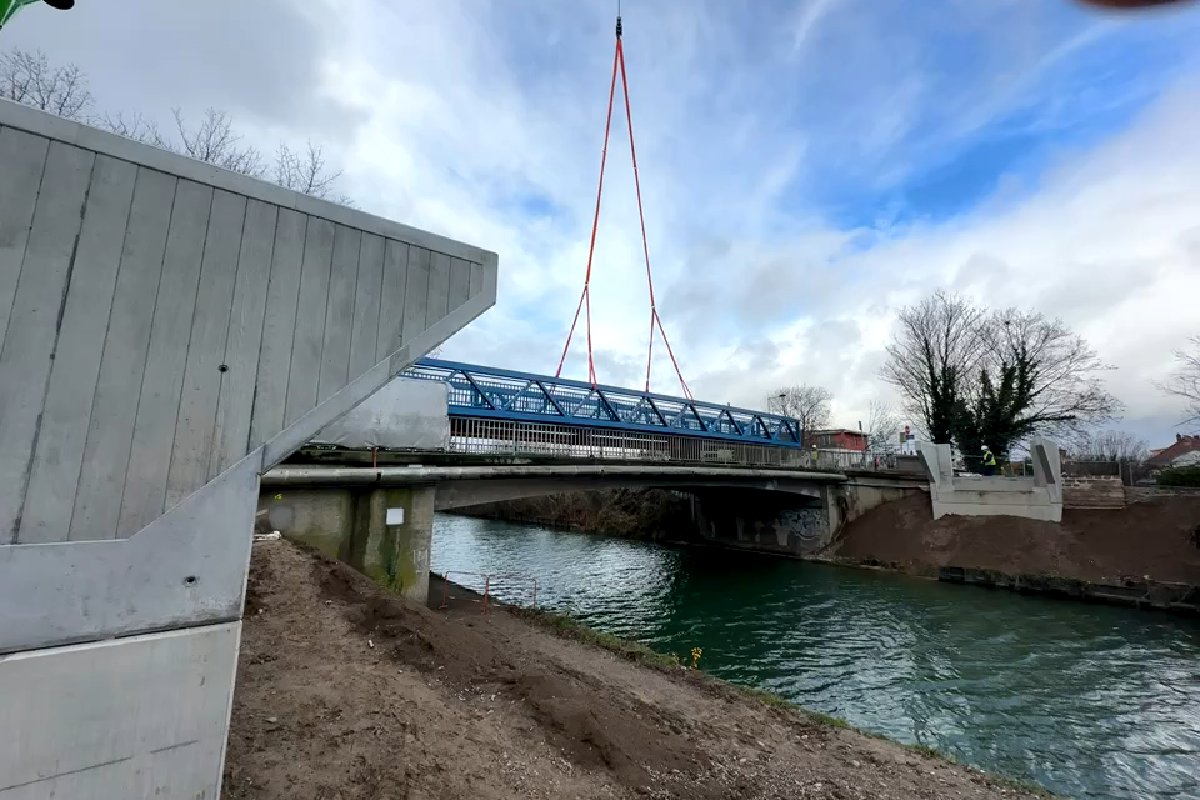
pixel 339 312
pixel 392 300
pixel 158 402
pixel 279 327
pixel 76 368
pixel 460 283
pixel 195 423
pixel 25 357
pixel 231 438
pixel 24 157
pixel 309 338
pixel 80 737
pixel 97 501
pixel 405 414
pixel 367 296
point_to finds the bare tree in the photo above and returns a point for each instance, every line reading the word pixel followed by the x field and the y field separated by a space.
pixel 994 378
pixel 1110 445
pixel 304 172
pixel 808 404
pixel 26 77
pixel 1185 382
pixel 883 427
pixel 214 141
pixel 936 350
pixel 1038 376
pixel 133 126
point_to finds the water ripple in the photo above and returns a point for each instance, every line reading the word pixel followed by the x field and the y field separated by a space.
pixel 1090 701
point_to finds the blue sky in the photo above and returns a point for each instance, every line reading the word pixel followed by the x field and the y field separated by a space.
pixel 808 167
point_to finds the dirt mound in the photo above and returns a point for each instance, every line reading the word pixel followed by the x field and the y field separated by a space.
pixel 611 735
pixel 345 692
pixel 1151 539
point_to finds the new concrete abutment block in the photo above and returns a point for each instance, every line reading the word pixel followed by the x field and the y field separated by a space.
pixel 168 332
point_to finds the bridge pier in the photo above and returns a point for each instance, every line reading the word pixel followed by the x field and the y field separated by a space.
pixel 384 532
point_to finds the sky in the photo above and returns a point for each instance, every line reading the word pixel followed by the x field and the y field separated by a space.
pixel 807 167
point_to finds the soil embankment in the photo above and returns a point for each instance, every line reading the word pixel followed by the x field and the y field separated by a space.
pixel 347 692
pixel 1153 539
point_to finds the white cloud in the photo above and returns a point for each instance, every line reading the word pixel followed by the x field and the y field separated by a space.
pixel 483 120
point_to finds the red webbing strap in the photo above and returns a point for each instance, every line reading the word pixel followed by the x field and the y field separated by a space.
pixel 585 298
pixel 637 183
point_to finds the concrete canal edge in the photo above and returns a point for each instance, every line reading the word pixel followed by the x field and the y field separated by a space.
pixel 1142 593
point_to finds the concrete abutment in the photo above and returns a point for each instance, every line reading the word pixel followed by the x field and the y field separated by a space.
pixel 384 532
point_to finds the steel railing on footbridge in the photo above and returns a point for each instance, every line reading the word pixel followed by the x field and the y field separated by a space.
pixel 504 412
pixel 497 411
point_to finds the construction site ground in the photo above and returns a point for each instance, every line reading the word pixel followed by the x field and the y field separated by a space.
pixel 348 692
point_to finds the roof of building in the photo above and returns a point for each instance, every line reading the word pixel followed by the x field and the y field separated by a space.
pixel 841 430
pixel 1182 445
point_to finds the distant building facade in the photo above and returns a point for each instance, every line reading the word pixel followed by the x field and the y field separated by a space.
pixel 840 439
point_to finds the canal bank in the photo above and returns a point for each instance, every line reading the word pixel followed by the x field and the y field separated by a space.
pixel 345 691
pixel 1090 701
pixel 1145 555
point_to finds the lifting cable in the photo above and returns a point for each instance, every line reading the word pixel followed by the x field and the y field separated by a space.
pixel 585 297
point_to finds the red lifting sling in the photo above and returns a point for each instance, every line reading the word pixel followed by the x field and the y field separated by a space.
pixel 585 298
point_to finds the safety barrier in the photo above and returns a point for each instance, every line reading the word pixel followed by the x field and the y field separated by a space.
pixel 489 583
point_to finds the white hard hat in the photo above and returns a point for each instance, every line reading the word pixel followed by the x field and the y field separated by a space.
pixel 983 447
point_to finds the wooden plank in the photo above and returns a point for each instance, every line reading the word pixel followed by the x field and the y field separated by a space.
pixel 437 304
pixel 339 312
pixel 460 283
pixel 476 279
pixel 28 349
pixel 279 327
pixel 367 298
pixel 196 422
pixel 162 378
pixel 246 319
pixel 416 288
pixel 310 320
pixel 110 425
pixel 59 454
pixel 22 158
pixel 391 299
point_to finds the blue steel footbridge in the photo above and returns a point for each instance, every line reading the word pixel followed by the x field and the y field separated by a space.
pixel 533 413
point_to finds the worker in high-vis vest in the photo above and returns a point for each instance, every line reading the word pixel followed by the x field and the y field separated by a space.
pixel 989 461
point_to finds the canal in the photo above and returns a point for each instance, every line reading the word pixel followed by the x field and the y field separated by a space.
pixel 1088 701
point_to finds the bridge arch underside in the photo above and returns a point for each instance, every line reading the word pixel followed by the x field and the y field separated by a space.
pixel 790 518
pixel 453 495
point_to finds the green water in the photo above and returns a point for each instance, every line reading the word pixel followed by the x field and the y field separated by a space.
pixel 1088 701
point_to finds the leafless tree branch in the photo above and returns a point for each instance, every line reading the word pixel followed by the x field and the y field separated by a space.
pixel 214 141
pixel 26 77
pixel 1185 381
pixel 808 404
pixel 883 427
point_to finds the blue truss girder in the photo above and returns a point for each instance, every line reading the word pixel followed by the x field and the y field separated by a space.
pixel 491 393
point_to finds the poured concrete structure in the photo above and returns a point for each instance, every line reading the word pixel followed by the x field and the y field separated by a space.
pixel 342 511
pixel 168 331
pixel 1038 497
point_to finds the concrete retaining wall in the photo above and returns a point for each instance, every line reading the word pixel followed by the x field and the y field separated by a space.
pixel 1039 497
pixel 168 331
pixel 407 414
